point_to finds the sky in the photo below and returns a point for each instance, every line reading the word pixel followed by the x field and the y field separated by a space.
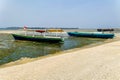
pixel 60 13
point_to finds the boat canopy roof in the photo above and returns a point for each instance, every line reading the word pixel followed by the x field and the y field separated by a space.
pixel 55 30
pixel 100 30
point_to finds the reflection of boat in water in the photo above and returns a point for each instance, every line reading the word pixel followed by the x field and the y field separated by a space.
pixel 91 34
pixel 38 38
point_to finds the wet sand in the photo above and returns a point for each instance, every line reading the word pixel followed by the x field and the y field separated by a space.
pixel 94 63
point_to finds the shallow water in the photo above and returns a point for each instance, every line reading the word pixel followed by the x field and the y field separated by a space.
pixel 11 50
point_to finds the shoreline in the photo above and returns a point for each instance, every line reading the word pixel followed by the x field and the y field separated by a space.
pixel 94 63
pixel 28 60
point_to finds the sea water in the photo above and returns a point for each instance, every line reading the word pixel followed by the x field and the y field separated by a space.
pixel 11 50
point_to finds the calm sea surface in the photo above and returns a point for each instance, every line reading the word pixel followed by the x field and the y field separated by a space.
pixel 11 50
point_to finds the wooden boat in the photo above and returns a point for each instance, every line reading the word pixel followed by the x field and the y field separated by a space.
pixel 38 38
pixel 91 34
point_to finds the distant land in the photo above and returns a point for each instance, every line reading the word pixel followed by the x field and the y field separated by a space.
pixel 15 28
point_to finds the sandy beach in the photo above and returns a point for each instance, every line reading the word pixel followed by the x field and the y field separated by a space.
pixel 95 63
pixel 12 31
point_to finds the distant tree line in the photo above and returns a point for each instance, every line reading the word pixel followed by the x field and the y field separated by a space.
pixel 15 28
